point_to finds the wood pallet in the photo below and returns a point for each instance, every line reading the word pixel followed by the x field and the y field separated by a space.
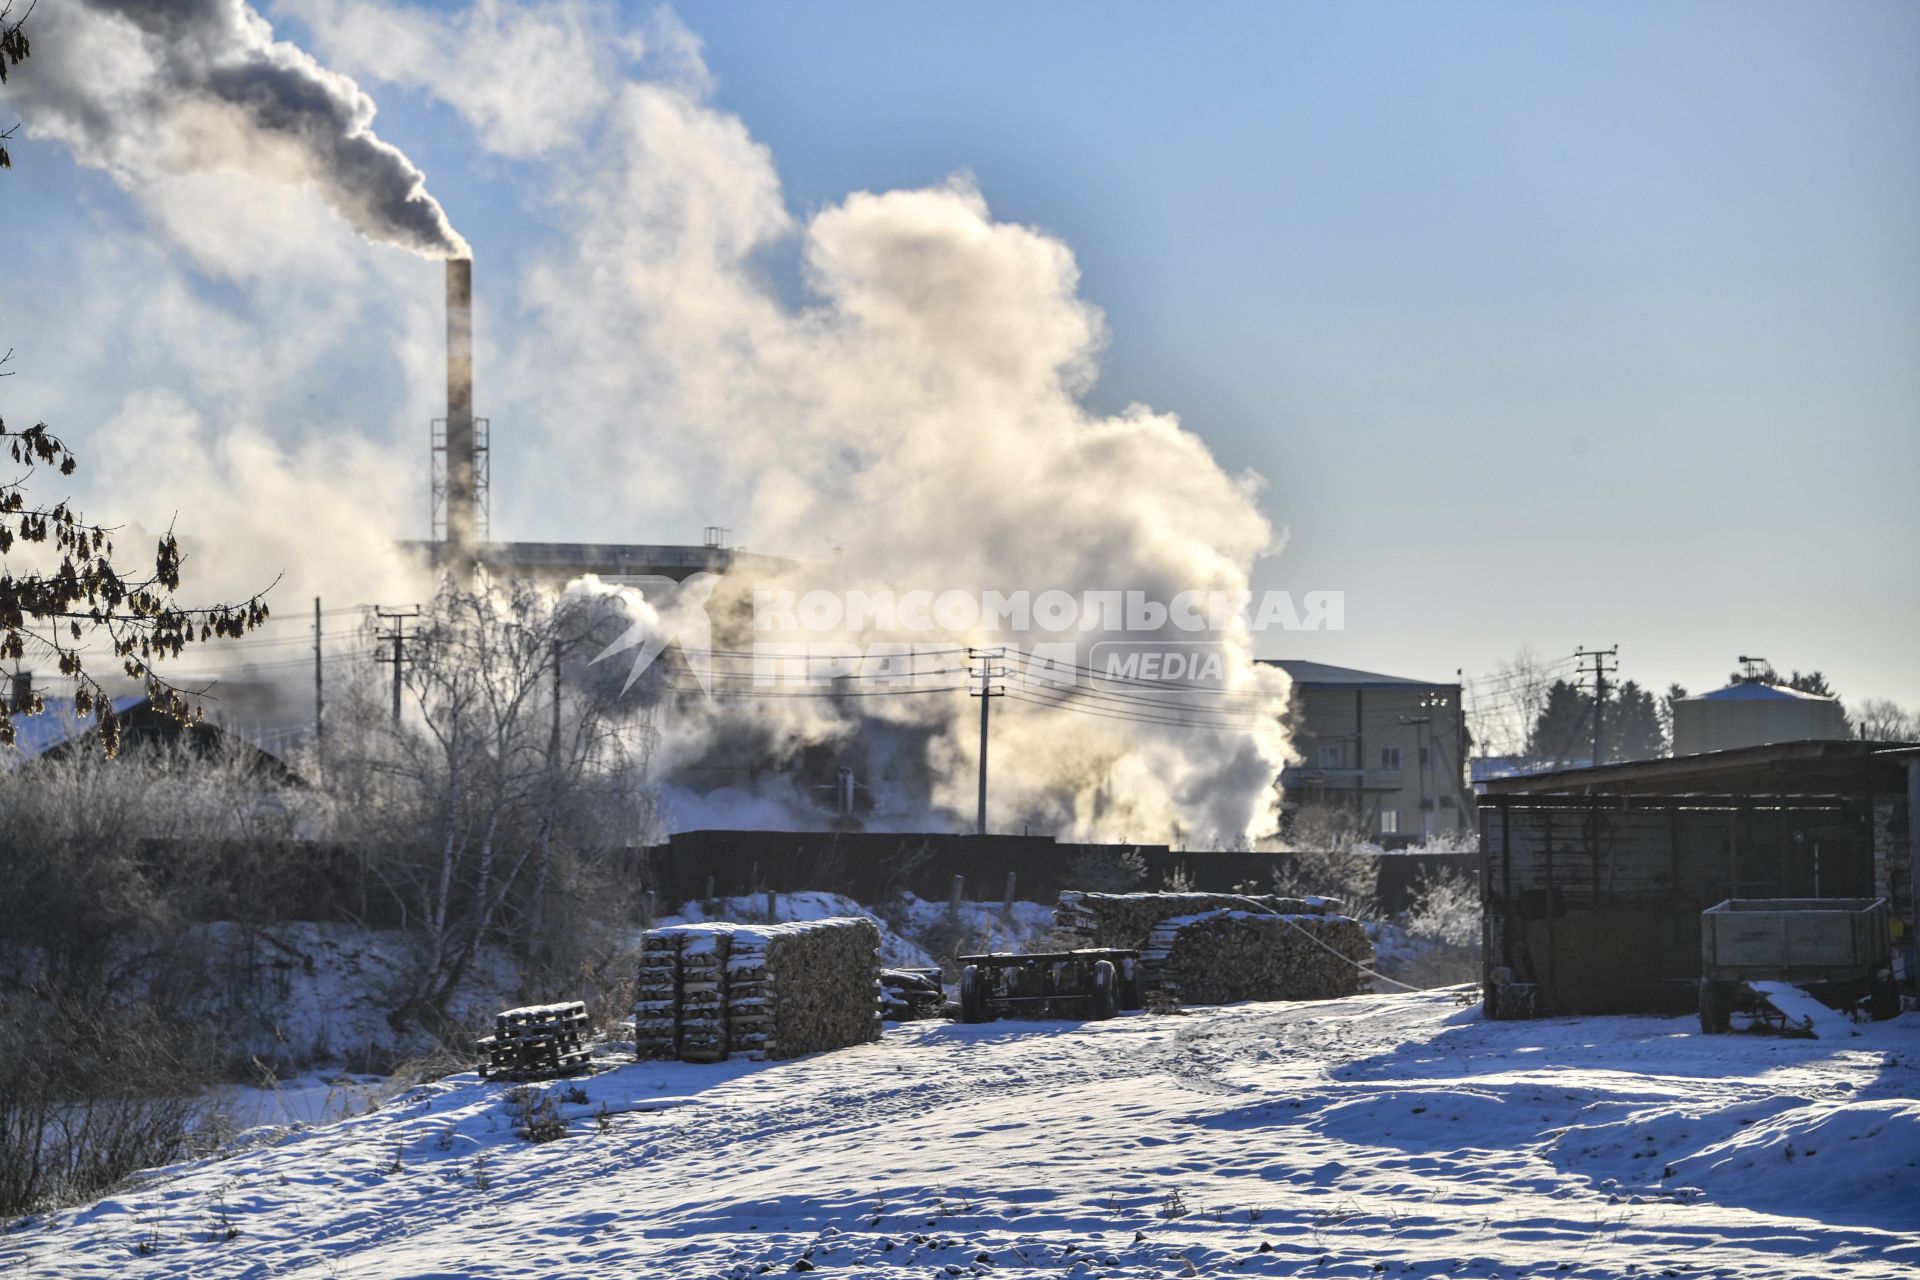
pixel 538 1042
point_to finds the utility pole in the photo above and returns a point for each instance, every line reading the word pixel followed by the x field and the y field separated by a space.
pixel 1422 726
pixel 987 692
pixel 398 617
pixel 319 695
pixel 1601 670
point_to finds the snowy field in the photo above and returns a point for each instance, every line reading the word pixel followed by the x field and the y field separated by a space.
pixel 1373 1136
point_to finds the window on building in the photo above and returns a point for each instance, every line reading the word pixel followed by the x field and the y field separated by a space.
pixel 1330 757
pixel 1423 758
pixel 1389 822
pixel 1389 757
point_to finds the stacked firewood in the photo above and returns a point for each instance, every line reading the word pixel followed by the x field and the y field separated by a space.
pixel 708 991
pixel 537 1042
pixel 907 995
pixel 703 996
pixel 1222 956
pixel 802 988
pixel 1125 919
pixel 656 995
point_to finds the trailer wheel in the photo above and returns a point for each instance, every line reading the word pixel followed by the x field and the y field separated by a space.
pixel 1106 990
pixel 1132 986
pixel 1716 1006
pixel 1883 998
pixel 973 996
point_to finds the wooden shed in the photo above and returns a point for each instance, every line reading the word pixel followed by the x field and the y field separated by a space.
pixel 1593 880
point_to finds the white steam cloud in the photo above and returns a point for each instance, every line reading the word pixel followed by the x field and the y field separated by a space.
pixel 146 88
pixel 916 421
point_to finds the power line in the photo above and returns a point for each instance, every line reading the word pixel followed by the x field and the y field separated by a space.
pixel 1048 664
pixel 1132 700
pixel 749 695
pixel 1065 703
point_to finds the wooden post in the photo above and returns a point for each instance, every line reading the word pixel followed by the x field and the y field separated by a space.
pixel 953 898
pixel 708 896
pixel 647 909
pixel 1006 903
pixel 770 906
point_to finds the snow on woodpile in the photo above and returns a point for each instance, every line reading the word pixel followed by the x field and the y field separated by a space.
pixel 1224 956
pixel 1125 919
pixel 713 990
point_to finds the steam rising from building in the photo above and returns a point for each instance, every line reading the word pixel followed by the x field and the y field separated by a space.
pixel 917 422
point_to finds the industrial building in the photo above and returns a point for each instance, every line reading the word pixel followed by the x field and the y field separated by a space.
pixel 1593 880
pixel 459 504
pixel 1390 748
pixel 1751 712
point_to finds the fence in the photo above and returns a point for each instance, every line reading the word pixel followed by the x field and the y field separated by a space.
pixel 331 882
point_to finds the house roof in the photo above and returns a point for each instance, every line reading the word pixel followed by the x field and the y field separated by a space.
pixel 1324 674
pixel 58 731
pixel 56 724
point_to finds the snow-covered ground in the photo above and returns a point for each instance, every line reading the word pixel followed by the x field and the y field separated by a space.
pixel 297 994
pixel 1384 1135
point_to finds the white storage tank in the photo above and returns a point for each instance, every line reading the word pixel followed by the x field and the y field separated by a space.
pixel 1751 713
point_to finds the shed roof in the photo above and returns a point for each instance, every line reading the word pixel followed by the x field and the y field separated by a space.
pixel 1777 769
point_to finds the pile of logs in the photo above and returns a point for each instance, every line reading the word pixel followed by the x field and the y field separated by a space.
pixel 537 1042
pixel 656 995
pixel 1125 919
pixel 907 995
pixel 705 995
pixel 1222 956
pixel 707 991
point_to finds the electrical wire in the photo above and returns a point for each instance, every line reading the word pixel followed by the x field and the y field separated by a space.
pixel 1135 681
pixel 748 695
pixel 1135 718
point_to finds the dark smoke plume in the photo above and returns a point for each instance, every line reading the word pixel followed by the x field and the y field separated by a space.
pixel 147 87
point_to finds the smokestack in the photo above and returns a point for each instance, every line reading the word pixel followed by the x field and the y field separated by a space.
pixel 462 546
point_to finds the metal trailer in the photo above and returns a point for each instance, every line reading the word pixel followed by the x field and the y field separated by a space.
pixel 1092 984
pixel 1843 946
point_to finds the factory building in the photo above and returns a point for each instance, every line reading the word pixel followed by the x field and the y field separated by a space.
pixel 458 497
pixel 1390 748
pixel 1752 712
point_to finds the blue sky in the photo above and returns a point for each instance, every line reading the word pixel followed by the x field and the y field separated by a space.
pixel 1553 324
pixel 1559 323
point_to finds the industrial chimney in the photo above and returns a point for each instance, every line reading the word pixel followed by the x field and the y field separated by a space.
pixel 460 554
